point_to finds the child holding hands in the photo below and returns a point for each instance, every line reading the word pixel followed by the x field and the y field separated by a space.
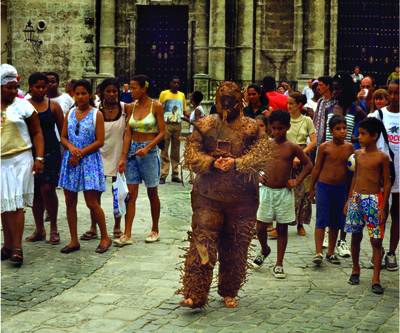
pixel 277 201
pixel 330 171
pixel 366 204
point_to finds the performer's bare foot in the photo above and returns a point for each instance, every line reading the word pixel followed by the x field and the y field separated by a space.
pixel 230 302
pixel 187 303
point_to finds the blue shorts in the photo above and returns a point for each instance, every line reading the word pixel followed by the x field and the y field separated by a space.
pixel 330 201
pixel 147 168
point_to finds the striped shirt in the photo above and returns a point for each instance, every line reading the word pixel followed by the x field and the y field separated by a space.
pixel 350 123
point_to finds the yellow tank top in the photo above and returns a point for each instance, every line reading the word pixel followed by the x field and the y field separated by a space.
pixel 145 125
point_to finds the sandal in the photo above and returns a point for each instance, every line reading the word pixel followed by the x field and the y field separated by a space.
pixel 36 237
pixel 88 235
pixel 354 279
pixel 152 237
pixel 54 237
pixel 123 240
pixel 377 289
pixel 118 234
pixel 5 253
pixel 16 256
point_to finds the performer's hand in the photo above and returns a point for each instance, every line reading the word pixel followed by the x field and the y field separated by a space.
pixel 224 164
pixel 228 163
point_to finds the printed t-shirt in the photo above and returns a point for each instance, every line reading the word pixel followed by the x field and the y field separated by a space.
pixel 391 122
pixel 174 105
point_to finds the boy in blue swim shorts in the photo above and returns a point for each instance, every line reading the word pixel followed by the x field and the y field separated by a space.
pixel 367 206
pixel 276 195
pixel 330 196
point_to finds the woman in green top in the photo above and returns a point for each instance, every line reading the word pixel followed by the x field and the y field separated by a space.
pixel 258 102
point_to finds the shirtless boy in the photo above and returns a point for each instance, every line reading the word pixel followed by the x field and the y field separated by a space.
pixel 366 204
pixel 276 196
pixel 330 170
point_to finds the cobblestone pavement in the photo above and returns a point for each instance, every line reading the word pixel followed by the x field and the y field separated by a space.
pixel 131 289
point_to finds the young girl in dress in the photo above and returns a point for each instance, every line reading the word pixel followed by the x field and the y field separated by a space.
pixel 114 113
pixel 50 114
pixel 82 167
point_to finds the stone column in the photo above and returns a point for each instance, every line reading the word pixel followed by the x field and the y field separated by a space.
pixel 201 37
pixel 315 38
pixel 107 38
pixel 216 53
pixel 244 44
pixel 333 37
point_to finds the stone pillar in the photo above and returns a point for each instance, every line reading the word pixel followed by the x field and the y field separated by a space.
pixel 201 37
pixel 244 44
pixel 333 38
pixel 315 38
pixel 216 53
pixel 202 84
pixel 107 38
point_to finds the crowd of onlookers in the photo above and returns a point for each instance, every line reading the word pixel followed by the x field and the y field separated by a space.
pixel 77 140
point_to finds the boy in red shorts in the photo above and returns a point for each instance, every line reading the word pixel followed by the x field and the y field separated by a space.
pixel 366 204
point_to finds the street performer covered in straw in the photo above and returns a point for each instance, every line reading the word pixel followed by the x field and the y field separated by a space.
pixel 226 151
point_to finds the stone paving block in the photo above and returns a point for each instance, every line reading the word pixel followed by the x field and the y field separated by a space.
pixel 105 325
pixel 106 299
pixel 9 327
pixel 367 327
pixel 136 325
pixel 128 314
pixel 266 327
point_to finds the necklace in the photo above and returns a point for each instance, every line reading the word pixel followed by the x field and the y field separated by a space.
pixel 109 110
pixel 82 111
pixel 4 116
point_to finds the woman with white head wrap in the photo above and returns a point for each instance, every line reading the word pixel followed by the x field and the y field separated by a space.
pixel 19 123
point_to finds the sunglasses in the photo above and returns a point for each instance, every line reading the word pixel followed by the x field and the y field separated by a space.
pixel 77 129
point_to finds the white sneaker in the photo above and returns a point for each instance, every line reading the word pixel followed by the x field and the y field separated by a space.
pixel 325 244
pixel 278 272
pixel 343 249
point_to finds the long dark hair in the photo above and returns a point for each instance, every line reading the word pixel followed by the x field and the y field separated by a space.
pixel 109 82
pixel 263 97
pixel 348 90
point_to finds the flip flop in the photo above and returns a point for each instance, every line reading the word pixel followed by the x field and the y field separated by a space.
pixel 88 235
pixel 152 237
pixel 377 289
pixel 354 279
pixel 118 234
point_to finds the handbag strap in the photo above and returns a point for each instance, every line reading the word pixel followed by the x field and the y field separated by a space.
pixel 385 136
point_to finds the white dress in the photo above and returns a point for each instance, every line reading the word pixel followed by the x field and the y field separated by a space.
pixel 17 183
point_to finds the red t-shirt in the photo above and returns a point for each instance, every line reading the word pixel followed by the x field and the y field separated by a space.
pixel 277 101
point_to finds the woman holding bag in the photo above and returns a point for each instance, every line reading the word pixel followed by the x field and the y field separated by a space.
pixel 114 114
pixel 140 156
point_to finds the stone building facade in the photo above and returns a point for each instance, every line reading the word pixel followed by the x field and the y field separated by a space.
pixel 204 41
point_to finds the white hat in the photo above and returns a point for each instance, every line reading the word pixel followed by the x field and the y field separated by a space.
pixel 8 74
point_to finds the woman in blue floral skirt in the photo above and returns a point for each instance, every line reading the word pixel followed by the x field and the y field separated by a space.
pixel 82 167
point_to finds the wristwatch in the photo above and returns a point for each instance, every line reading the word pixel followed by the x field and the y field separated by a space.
pixel 41 159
